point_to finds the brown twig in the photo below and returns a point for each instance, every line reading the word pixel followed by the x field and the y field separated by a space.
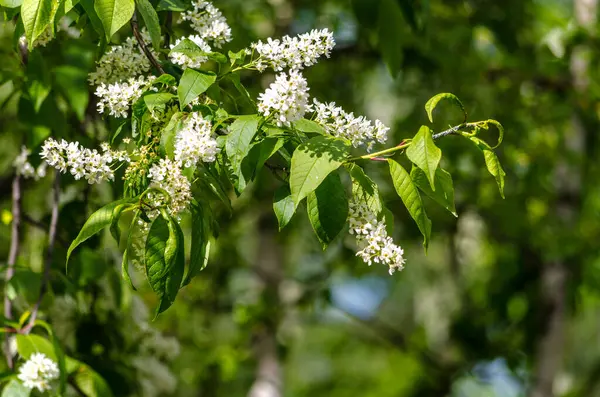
pixel 140 40
pixel 13 253
pixel 49 253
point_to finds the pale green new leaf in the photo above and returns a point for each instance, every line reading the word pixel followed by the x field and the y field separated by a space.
pixel 36 16
pixel 30 344
pixel 96 222
pixel 283 206
pixel 10 3
pixel 327 208
pixel 151 20
pixel 444 188
pixel 304 125
pixel 409 195
pixel 192 84
pixel 312 161
pixel 14 388
pixel 424 153
pixel 114 14
pixel 242 131
pixel 432 103
pixel 492 163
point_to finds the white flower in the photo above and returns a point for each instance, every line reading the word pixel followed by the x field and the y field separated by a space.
pixel 372 237
pixel 184 60
pixel 359 130
pixel 24 167
pixel 195 142
pixel 38 372
pixel 119 97
pixel 286 99
pixel 209 22
pixel 81 162
pixel 293 52
pixel 167 175
pixel 122 62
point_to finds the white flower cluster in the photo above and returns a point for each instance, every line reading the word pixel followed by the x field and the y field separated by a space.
pixel 286 99
pixel 186 61
pixel 293 52
pixel 38 372
pixel 372 237
pixel 24 167
pixel 209 22
pixel 167 175
pixel 117 98
pixel 81 162
pixel 122 62
pixel 195 142
pixel 359 130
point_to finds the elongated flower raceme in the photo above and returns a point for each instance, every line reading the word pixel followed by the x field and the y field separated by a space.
pixel 286 100
pixel 186 61
pixel 293 52
pixel 122 62
pixel 93 166
pixel 195 142
pixel 117 98
pixel 38 372
pixel 167 175
pixel 371 236
pixel 359 130
pixel 209 22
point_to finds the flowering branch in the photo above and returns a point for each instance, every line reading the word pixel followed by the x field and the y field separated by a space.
pixel 140 40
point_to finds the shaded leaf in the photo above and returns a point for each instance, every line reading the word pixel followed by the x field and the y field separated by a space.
pixel 327 208
pixel 151 20
pixel 444 188
pixel 200 241
pixel 14 388
pixel 192 84
pixel 283 205
pixel 241 133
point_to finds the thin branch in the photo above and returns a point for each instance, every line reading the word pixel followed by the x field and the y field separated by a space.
pixel 13 253
pixel 49 252
pixel 140 40
pixel 168 29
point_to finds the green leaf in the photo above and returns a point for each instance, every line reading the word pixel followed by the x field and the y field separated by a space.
pixel 192 84
pixel 283 205
pixel 327 208
pixel 114 14
pixel 116 215
pixel 72 82
pixel 444 188
pixel 171 5
pixel 409 194
pixel 241 133
pixel 151 20
pixel 212 181
pixel 11 3
pixel 36 16
pixel 432 103
pixel 96 222
pixel 364 188
pixel 88 6
pixel 165 285
pixel 14 388
pixel 200 241
pixel 90 382
pixel 424 154
pixel 30 344
pixel 492 163
pixel 165 79
pixel 157 100
pixel 125 261
pixel 500 131
pixel 168 134
pixel 312 161
pixel 304 125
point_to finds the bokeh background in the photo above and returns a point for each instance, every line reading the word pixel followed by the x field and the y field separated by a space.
pixel 507 301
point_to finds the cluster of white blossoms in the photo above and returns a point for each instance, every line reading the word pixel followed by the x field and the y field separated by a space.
pixel 359 130
pixel 186 61
pixel 122 62
pixel 371 236
pixel 117 98
pixel 81 162
pixel 209 22
pixel 24 167
pixel 195 142
pixel 38 372
pixel 286 99
pixel 167 175
pixel 293 52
